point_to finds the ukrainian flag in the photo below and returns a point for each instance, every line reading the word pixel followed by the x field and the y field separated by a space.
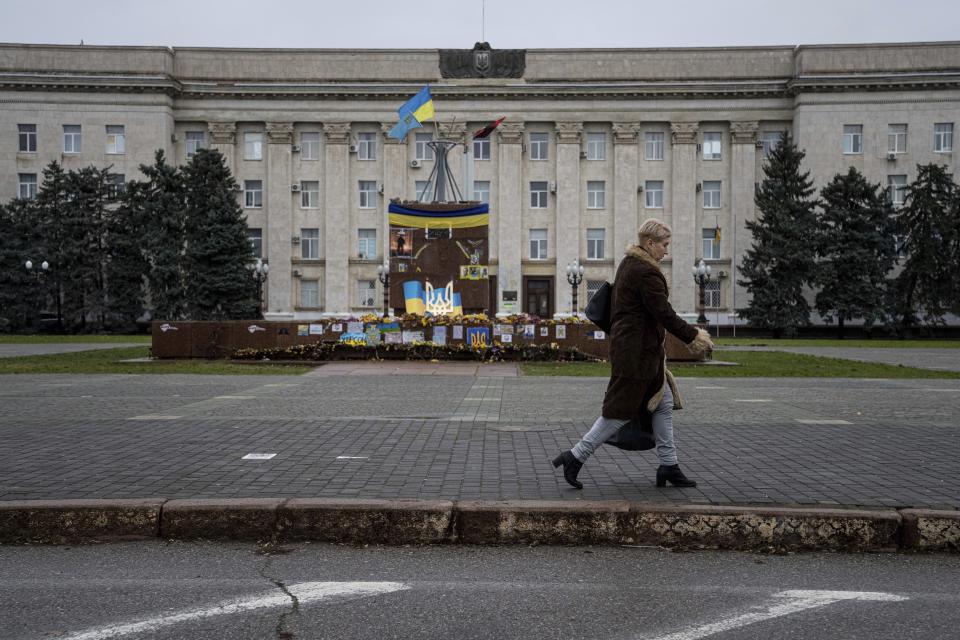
pixel 420 105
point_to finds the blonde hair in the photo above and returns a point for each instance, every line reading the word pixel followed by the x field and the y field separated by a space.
pixel 653 229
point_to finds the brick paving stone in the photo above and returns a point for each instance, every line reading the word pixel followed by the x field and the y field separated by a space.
pixel 471 437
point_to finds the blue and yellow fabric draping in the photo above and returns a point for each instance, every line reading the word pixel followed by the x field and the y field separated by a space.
pixel 477 216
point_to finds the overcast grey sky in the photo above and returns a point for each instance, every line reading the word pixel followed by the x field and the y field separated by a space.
pixel 458 23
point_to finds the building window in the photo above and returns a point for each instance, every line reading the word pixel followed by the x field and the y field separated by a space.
pixel 595 242
pixel 897 189
pixel 309 194
pixel 711 194
pixel 252 194
pixel 595 194
pixel 310 293
pixel 27 186
pixel 897 138
pixel 253 146
pixel 28 138
pixel 653 145
pixel 367 292
pixel 195 141
pixel 481 149
pixel 115 140
pixel 596 146
pixel 538 146
pixel 853 138
pixel 368 194
pixel 538 244
pixel 711 295
pixel 368 146
pixel 422 187
pixel 711 244
pixel 481 190
pixel 654 194
pixel 309 244
pixel 592 287
pixel 310 145
pixel 711 145
pixel 71 138
pixel 943 137
pixel 423 151
pixel 116 184
pixel 255 236
pixel 368 244
pixel 770 140
pixel 538 195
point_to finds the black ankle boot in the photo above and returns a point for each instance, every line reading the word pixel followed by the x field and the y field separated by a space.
pixel 674 476
pixel 571 467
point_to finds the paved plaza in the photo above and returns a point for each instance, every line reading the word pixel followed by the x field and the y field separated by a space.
pixel 409 431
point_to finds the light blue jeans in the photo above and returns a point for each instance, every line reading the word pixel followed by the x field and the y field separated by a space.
pixel 603 428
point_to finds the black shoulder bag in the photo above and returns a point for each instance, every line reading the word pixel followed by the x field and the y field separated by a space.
pixel 598 309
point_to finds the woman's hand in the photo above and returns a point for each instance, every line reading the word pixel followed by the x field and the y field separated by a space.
pixel 702 343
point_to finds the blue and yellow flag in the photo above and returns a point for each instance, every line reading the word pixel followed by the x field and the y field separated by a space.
pixel 412 113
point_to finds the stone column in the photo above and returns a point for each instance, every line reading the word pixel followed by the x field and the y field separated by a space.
pixel 569 192
pixel 684 205
pixel 223 138
pixel 743 175
pixel 279 213
pixel 336 215
pixel 625 161
pixel 394 181
pixel 509 215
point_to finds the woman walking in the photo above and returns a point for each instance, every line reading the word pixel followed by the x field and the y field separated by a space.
pixel 640 386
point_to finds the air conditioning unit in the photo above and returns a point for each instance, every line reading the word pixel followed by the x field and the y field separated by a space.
pixel 297 274
pixel 553 187
pixel 699 187
pixel 295 240
pixel 583 155
pixel 639 188
pixel 759 144
pixel 294 187
pixel 173 137
pixel 380 189
pixel 237 187
pixel 353 148
pixel 891 156
pixel 295 148
pixel 414 164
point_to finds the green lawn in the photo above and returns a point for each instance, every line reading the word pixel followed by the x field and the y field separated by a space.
pixel 752 364
pixel 53 339
pixel 817 342
pixel 108 361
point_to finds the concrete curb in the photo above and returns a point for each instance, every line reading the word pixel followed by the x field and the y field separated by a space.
pixel 482 522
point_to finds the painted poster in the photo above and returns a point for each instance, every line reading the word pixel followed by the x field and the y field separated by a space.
pixel 354 327
pixel 496 330
pixel 393 337
pixel 506 338
pixel 409 337
pixel 544 332
pixel 373 335
pixel 561 332
pixel 303 329
pixel 440 335
pixel 599 335
pixel 336 327
pixel 316 329
pixel 506 328
pixel 478 337
pixel 401 243
pixel 528 331
pixel 458 332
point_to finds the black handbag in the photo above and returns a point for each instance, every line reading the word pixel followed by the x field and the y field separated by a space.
pixel 634 436
pixel 598 309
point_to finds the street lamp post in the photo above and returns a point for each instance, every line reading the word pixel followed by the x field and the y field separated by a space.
pixel 383 275
pixel 575 277
pixel 701 276
pixel 41 276
pixel 260 272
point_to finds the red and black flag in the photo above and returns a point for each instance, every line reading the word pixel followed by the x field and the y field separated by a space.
pixel 487 130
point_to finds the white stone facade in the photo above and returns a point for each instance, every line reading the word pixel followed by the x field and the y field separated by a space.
pixel 316 112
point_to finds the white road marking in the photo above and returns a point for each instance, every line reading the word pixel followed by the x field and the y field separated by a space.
pixel 282 384
pixel 234 397
pixel 154 417
pixel 813 421
pixel 751 400
pixel 305 592
pixel 794 601
pixel 258 456
pixel 711 387
pixel 352 457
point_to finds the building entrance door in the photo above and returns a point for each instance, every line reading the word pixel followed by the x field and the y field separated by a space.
pixel 539 297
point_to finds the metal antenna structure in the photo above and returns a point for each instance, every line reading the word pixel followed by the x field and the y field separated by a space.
pixel 441 178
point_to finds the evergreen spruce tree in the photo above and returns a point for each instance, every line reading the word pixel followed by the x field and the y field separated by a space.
pixel 126 267
pixel 218 254
pixel 22 294
pixel 159 202
pixel 855 250
pixel 52 202
pixel 923 291
pixel 953 250
pixel 780 260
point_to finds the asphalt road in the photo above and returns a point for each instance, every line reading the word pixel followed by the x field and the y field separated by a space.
pixel 181 590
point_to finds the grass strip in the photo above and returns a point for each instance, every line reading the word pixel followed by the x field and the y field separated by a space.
pixel 824 342
pixel 109 361
pixel 753 364
pixel 74 339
